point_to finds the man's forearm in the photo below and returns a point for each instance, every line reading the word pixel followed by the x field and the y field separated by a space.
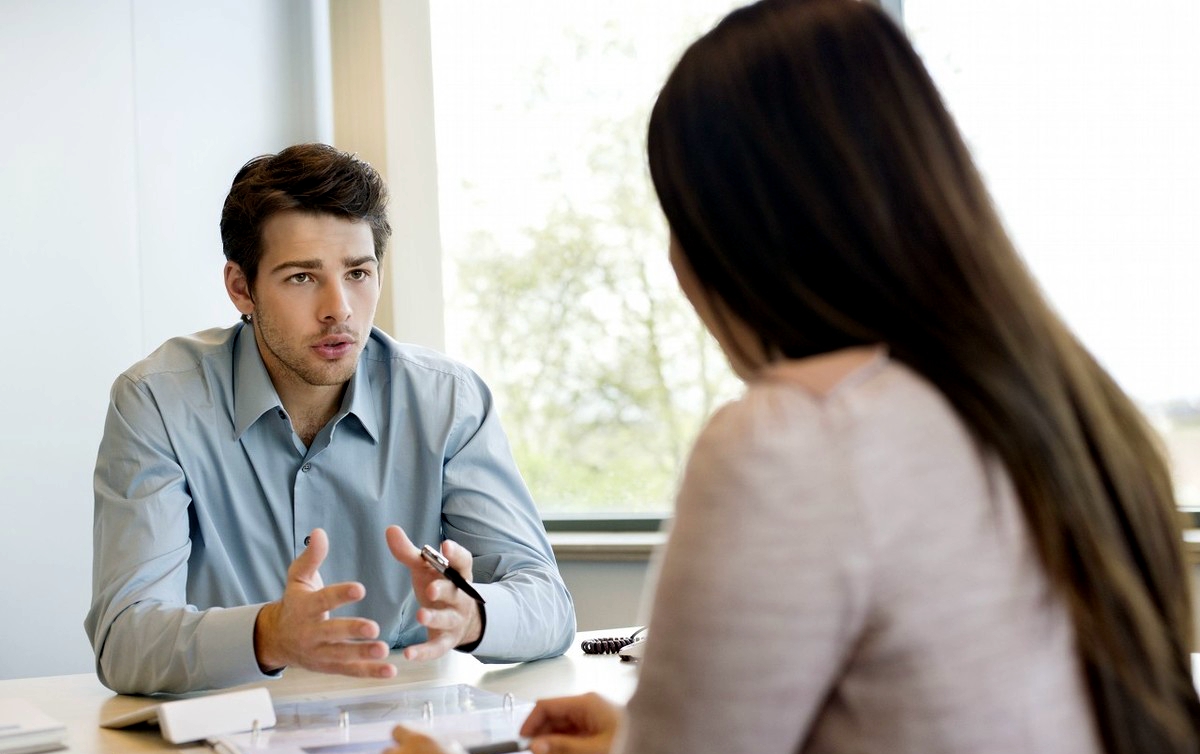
pixel 153 648
pixel 529 616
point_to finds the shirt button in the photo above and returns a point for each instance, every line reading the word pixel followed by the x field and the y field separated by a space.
pixel 306 467
pixel 307 540
pixel 282 415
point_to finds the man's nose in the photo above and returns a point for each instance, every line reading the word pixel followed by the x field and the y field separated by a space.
pixel 335 304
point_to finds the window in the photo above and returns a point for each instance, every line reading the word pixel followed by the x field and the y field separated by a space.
pixel 558 289
pixel 1082 117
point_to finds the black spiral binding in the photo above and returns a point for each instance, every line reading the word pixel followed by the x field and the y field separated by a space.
pixel 608 645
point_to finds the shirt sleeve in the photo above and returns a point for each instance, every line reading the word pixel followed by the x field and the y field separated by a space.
pixel 146 637
pixel 762 588
pixel 487 509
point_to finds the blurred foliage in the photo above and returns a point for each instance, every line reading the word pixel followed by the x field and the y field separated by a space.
pixel 603 372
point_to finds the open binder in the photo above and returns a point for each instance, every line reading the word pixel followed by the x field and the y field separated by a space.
pixel 350 723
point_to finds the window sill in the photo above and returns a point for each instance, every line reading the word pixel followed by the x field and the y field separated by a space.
pixel 606 546
pixel 626 546
pixel 1191 545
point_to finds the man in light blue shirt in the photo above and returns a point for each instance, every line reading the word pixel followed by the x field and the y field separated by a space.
pixel 243 469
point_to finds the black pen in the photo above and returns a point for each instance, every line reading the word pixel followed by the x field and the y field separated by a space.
pixel 439 562
pixel 500 747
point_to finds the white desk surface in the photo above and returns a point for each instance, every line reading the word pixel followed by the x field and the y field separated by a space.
pixel 81 702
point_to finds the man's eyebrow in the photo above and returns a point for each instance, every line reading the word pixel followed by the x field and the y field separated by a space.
pixel 303 264
pixel 316 264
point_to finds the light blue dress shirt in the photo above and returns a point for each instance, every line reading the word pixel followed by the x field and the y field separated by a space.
pixel 204 496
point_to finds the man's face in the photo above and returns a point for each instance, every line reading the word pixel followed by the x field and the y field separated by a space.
pixel 314 298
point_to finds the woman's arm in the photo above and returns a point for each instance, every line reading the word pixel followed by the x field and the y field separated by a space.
pixel 763 587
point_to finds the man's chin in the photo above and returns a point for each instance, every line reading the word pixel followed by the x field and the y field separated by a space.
pixel 329 374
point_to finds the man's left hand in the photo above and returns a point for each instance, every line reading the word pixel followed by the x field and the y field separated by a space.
pixel 450 616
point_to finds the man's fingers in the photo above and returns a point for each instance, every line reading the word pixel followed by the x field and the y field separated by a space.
pixel 348 652
pixel 430 650
pixel 435 619
pixel 347 629
pixel 334 596
pixel 402 547
pixel 304 568
pixel 443 593
pixel 371 670
pixel 356 669
pixel 459 557
pixel 315 605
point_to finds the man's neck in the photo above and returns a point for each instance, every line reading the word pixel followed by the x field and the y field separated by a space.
pixel 309 406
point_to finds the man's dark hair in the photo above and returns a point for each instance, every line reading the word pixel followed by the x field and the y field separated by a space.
pixel 313 178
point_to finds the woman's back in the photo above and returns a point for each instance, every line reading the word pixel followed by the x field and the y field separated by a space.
pixel 895 602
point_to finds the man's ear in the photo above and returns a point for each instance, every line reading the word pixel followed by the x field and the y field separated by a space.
pixel 238 288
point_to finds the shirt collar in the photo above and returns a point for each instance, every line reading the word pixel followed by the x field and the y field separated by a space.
pixel 254 393
pixel 359 400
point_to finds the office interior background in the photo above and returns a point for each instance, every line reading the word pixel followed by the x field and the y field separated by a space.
pixel 526 239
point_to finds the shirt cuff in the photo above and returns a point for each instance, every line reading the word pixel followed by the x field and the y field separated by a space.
pixel 471 646
pixel 225 647
pixel 500 633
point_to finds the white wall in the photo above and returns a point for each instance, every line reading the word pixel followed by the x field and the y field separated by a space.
pixel 607 593
pixel 123 123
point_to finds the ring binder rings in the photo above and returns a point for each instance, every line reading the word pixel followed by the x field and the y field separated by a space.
pixel 358 723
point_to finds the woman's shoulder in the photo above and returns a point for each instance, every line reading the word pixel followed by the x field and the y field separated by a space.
pixel 819 393
pixel 854 387
pixel 790 412
pixel 825 374
pixel 851 409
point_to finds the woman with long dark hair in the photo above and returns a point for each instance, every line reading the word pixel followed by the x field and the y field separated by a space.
pixel 963 533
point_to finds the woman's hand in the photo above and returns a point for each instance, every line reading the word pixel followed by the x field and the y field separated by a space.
pixel 570 725
pixel 567 725
pixel 409 741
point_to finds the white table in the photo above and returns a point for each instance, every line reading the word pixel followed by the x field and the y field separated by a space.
pixel 81 702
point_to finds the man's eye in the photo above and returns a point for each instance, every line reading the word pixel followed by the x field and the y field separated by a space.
pixel 300 277
pixel 359 274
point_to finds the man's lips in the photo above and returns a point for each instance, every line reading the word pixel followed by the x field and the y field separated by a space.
pixel 334 346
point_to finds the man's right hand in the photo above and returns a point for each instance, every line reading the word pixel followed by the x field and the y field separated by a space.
pixel 297 630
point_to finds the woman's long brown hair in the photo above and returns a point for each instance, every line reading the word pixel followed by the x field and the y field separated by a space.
pixel 817 185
